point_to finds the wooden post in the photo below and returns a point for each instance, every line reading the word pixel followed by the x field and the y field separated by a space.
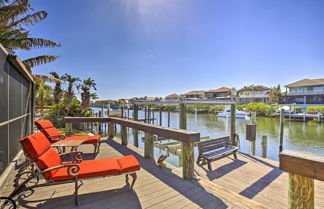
pixel 153 116
pixel 168 118
pixel 300 192
pixel 183 117
pixel 122 111
pixel 303 168
pixel 124 135
pixel 100 125
pixel 68 127
pixel 127 112
pixel 188 160
pixel 148 145
pixel 111 129
pixel 145 114
pixel 233 119
pixel 135 132
pixel 148 115
pixel 253 117
pixel 135 114
pixel 281 132
pixel 264 144
pixel 160 117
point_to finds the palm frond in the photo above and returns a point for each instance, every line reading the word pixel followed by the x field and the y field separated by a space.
pixel 35 61
pixel 45 78
pixel 29 19
pixel 11 11
pixel 29 43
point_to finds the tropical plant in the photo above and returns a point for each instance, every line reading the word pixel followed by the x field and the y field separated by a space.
pixel 71 81
pixel 58 89
pixel 43 95
pixel 275 95
pixel 15 16
pixel 85 88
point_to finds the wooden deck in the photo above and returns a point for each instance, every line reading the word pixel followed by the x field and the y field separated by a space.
pixel 155 188
pixel 256 178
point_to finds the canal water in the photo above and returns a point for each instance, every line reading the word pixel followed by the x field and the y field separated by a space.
pixel 303 136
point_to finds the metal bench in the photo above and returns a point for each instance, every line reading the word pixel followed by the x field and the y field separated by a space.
pixel 215 149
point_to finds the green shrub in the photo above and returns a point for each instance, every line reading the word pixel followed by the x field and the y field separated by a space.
pixel 315 109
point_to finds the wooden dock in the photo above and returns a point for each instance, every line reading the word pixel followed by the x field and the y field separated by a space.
pixel 155 188
pixel 256 178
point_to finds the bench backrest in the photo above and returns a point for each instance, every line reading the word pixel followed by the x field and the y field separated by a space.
pixel 213 144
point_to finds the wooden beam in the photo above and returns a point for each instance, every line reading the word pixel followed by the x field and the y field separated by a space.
pixel 301 163
pixel 171 133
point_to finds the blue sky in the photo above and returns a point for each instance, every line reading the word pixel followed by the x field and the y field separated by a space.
pixel 158 47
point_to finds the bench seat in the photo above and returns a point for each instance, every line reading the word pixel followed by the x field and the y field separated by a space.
pixel 219 152
pixel 214 149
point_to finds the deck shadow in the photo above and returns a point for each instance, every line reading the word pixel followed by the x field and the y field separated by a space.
pixel 223 170
pixel 261 184
pixel 187 188
pixel 115 198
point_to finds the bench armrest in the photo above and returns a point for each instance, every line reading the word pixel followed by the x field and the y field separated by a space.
pixel 61 137
pixel 72 169
pixel 77 156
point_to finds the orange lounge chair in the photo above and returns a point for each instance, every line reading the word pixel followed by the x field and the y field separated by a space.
pixel 54 135
pixel 54 171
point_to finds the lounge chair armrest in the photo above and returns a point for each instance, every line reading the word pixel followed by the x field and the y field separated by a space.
pixel 72 169
pixel 77 156
pixel 61 137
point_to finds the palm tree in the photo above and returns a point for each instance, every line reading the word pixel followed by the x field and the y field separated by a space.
pixel 275 95
pixel 70 93
pixel 15 15
pixel 85 88
pixel 58 89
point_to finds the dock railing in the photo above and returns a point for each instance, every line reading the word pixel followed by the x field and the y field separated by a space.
pixel 186 138
pixel 303 168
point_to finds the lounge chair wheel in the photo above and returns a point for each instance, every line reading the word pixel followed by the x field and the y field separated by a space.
pixel 6 202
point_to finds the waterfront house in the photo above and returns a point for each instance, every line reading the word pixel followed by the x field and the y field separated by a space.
pixel 196 94
pixel 172 97
pixel 222 93
pixel 306 91
pixel 254 93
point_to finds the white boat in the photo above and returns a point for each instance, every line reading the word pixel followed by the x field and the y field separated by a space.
pixel 239 114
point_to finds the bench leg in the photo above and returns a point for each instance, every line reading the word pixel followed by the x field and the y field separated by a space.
pixel 198 160
pixel 235 155
pixel 209 165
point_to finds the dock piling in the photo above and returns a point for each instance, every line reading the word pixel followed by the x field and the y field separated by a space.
pixel 281 132
pixel 264 144
pixel 124 135
pixel 148 145
pixel 233 118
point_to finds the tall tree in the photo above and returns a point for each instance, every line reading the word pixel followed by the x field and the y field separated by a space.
pixel 86 96
pixel 71 82
pixel 15 16
pixel 58 92
pixel 275 95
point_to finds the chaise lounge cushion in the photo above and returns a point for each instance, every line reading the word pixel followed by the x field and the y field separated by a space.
pixel 128 164
pixel 35 145
pixel 48 160
pixel 49 130
pixel 100 167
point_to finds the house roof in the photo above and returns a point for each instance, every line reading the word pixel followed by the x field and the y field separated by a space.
pixel 195 92
pixel 173 95
pixel 307 82
pixel 254 88
pixel 222 89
